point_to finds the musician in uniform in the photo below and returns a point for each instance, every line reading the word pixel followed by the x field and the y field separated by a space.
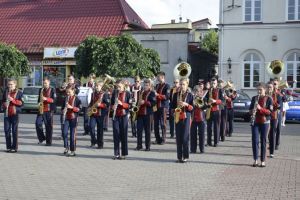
pixel 71 84
pixel 134 91
pixel 214 98
pixel 223 112
pixel 120 105
pixel 100 103
pixel 146 101
pixel 160 110
pixel 46 101
pixel 70 110
pixel 183 105
pixel 229 98
pixel 260 110
pixel 198 119
pixel 279 115
pixel 274 114
pixel 90 84
pixel 174 89
pixel 11 103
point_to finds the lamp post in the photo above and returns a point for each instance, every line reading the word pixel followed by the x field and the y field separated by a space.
pixel 229 65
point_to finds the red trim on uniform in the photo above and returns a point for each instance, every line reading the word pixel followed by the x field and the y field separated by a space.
pixel 125 105
pixel 101 105
pixel 16 102
pixel 161 97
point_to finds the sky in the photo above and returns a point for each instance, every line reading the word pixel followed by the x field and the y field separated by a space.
pixel 162 11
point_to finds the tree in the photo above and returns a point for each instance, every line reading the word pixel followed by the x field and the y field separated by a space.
pixel 118 56
pixel 210 42
pixel 13 63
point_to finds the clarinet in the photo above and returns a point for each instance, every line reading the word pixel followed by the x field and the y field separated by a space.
pixel 253 116
pixel 7 103
pixel 65 110
pixel 115 105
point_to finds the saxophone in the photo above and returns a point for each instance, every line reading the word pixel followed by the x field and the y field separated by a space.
pixel 41 104
pixel 135 109
pixel 93 109
pixel 178 108
pixel 252 121
pixel 209 108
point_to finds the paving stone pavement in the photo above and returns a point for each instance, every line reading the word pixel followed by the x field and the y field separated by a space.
pixel 225 172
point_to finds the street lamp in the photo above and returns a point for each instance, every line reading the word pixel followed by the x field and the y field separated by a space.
pixel 229 65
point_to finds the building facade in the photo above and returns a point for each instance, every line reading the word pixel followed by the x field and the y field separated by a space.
pixel 252 33
pixel 48 32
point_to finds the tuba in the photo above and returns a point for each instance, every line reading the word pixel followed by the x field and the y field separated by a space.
pixel 275 68
pixel 182 70
pixel 283 85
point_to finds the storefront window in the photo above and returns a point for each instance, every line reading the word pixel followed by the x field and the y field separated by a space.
pixel 56 74
pixel 35 78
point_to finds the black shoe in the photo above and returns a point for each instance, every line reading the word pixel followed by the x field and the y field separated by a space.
pixel 147 149
pixel 202 151
pixel 138 148
pixel 172 136
pixel 155 142
pixel 100 147
pixel 179 161
pixel 48 144
pixel 104 129
pixel 215 145
pixel 8 150
pixel 85 133
pixel 209 145
pixel 92 145
pixel 192 151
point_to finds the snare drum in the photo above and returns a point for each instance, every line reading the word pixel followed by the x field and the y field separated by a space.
pixel 85 96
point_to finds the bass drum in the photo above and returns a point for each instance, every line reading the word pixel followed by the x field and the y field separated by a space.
pixel 85 96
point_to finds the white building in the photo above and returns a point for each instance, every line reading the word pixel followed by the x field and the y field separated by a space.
pixel 252 34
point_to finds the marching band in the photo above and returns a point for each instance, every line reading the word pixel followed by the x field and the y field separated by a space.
pixel 208 108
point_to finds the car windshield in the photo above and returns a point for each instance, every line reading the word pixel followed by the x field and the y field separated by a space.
pixel 31 91
pixel 242 96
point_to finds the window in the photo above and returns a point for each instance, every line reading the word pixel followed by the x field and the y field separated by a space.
pixel 252 11
pixel 293 69
pixel 251 65
pixel 293 10
pixel 35 77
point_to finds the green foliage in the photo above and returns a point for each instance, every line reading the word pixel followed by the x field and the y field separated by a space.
pixel 13 63
pixel 210 42
pixel 118 56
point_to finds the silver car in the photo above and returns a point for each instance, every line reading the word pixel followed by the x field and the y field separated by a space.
pixel 30 98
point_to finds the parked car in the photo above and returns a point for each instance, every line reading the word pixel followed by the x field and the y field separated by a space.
pixel 241 106
pixel 30 98
pixel 293 113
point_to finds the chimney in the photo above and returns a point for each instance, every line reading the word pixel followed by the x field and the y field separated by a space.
pixel 173 21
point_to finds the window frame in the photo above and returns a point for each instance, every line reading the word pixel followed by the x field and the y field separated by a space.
pixel 252 63
pixel 296 17
pixel 252 11
pixel 294 63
